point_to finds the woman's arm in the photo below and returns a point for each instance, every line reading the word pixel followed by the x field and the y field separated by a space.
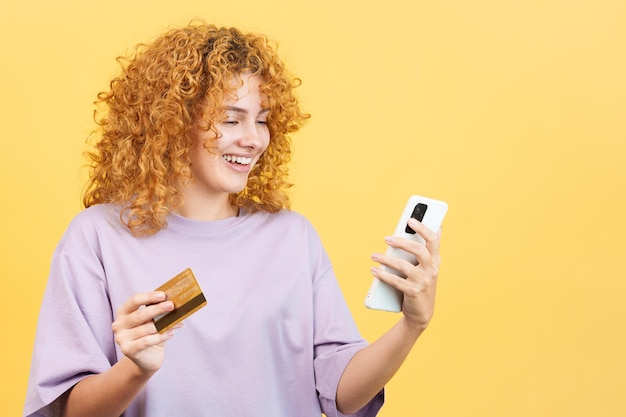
pixel 111 392
pixel 105 394
pixel 373 366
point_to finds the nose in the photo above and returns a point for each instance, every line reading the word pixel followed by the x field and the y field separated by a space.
pixel 252 136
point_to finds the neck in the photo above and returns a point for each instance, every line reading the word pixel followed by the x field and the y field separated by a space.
pixel 207 210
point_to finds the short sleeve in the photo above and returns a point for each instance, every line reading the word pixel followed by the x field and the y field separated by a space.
pixel 337 340
pixel 74 337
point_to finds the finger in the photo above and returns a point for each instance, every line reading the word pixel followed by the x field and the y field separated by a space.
pixel 421 229
pixel 149 312
pixel 131 346
pixel 397 265
pixel 127 335
pixel 400 284
pixel 142 336
pixel 143 314
pixel 431 239
pixel 433 246
pixel 424 252
pixel 417 249
pixel 140 299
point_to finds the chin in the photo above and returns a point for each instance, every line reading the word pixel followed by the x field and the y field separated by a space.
pixel 236 189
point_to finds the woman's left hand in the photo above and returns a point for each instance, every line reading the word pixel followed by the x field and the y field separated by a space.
pixel 420 284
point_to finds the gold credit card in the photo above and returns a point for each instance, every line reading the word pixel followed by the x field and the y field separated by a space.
pixel 183 290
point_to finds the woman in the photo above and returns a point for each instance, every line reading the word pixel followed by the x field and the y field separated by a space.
pixel 190 172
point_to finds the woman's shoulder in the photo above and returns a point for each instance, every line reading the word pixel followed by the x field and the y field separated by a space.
pixel 288 217
pixel 96 215
pixel 95 221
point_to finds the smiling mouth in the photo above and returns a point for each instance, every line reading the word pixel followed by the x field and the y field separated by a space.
pixel 241 160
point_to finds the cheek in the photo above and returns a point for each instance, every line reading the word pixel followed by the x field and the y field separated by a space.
pixel 200 156
pixel 265 139
pixel 266 143
pixel 204 141
pixel 196 152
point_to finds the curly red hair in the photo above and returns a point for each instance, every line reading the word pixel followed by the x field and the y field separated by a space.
pixel 149 112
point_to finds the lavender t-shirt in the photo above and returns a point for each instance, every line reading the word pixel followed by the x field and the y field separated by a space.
pixel 273 340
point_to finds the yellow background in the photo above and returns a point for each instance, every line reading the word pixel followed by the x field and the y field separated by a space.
pixel 511 111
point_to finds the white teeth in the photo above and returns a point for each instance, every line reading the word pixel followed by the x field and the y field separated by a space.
pixel 238 159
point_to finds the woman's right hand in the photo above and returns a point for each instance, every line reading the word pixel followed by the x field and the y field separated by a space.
pixel 135 332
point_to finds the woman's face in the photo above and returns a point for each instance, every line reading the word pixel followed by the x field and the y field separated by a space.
pixel 244 137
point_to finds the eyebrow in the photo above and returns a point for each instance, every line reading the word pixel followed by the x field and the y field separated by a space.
pixel 244 111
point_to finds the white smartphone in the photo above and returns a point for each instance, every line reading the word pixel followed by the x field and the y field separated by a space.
pixel 382 296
